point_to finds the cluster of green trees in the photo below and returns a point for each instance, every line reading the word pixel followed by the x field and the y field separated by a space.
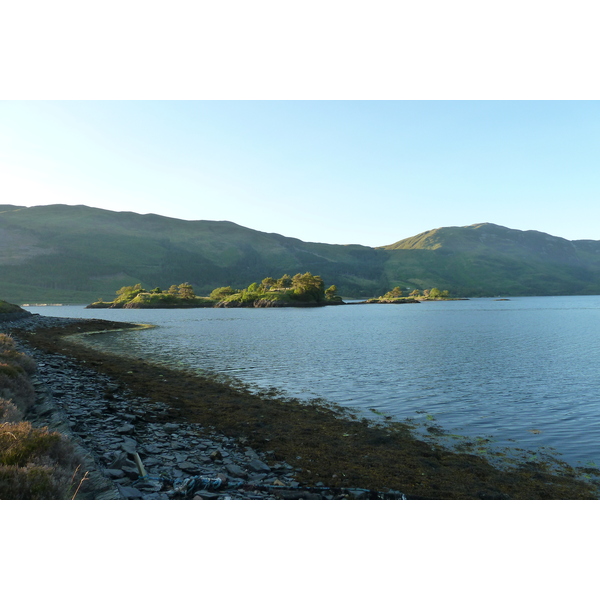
pixel 135 295
pixel 183 290
pixel 432 294
pixel 302 287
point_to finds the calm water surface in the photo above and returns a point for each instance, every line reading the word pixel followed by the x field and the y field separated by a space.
pixel 479 367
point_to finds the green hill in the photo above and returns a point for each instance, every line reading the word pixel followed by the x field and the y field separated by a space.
pixel 64 253
pixel 59 253
pixel 490 260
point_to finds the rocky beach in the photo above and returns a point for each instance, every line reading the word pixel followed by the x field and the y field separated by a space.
pixel 110 426
pixel 113 428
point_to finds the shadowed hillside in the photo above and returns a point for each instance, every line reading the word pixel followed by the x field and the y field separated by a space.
pixel 65 253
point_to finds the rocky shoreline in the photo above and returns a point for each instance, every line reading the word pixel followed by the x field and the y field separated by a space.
pixel 111 426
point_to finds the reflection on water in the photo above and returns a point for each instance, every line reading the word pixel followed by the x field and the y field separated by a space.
pixel 480 367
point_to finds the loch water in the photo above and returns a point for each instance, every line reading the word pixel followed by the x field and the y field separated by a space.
pixel 523 372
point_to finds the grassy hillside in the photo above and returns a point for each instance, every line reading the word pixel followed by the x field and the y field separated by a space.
pixel 79 254
pixel 490 260
pixel 7 310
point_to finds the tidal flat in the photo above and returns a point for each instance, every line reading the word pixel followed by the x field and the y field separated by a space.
pixel 327 444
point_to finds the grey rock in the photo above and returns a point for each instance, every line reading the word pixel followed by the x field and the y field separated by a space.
pixel 189 467
pixel 203 495
pixel 129 445
pixel 130 493
pixel 259 466
pixel 151 448
pixel 236 471
pixel 114 473
pixel 127 428
pixel 149 485
pixel 124 463
pixel 251 454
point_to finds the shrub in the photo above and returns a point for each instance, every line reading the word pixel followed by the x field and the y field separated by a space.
pixel 9 413
pixel 221 293
pixel 20 443
pixel 18 389
pixel 9 354
pixel 30 483
pixel 35 463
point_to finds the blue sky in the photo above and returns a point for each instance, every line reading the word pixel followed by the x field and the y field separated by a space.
pixel 365 172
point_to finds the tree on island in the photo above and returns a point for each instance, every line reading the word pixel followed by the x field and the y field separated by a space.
pixel 331 293
pixel 186 291
pixel 268 283
pixel 395 293
pixel 284 282
pixel 129 292
pixel 222 292
pixel 436 293
pixel 308 285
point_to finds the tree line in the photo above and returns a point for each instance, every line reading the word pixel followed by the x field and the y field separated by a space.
pixel 302 287
pixel 433 293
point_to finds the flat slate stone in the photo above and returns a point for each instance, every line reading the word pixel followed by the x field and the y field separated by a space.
pixel 130 493
pixel 259 466
pixel 114 473
pixel 236 471
pixel 189 467
pixel 127 428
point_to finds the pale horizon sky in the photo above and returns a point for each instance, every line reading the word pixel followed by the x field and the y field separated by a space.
pixel 340 172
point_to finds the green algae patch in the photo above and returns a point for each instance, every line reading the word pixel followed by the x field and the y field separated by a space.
pixel 330 444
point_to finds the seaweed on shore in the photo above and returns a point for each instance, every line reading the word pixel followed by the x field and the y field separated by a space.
pixel 330 444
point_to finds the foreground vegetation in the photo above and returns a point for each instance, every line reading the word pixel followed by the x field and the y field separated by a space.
pixel 35 463
pixel 332 445
pixel 300 290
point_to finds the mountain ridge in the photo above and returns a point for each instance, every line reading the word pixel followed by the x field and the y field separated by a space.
pixel 63 253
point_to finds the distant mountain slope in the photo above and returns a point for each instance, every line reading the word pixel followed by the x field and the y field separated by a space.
pixel 62 253
pixel 65 253
pixel 487 259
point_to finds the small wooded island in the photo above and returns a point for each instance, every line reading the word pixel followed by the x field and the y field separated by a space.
pixel 300 290
pixel 399 296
